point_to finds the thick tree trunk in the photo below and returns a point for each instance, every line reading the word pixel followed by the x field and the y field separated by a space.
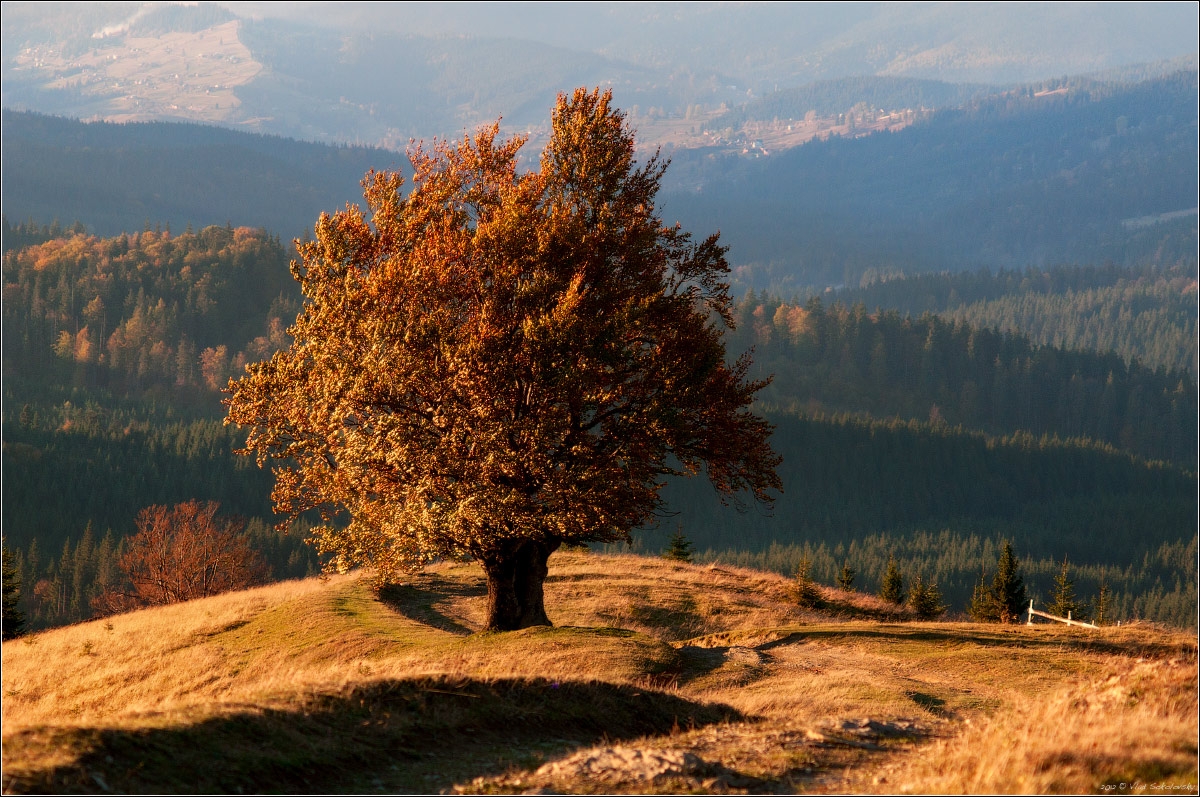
pixel 515 575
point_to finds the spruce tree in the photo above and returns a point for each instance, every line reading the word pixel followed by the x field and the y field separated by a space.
pixel 846 577
pixel 14 620
pixel 925 599
pixel 892 588
pixel 807 593
pixel 679 549
pixel 983 607
pixel 1008 590
pixel 1063 602
pixel 1103 604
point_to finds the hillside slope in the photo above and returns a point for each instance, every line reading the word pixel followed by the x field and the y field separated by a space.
pixel 116 177
pixel 660 677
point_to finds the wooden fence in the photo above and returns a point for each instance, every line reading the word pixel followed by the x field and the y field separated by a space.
pixel 1056 618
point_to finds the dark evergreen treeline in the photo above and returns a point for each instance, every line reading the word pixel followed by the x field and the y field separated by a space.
pixel 114 350
pixel 1154 324
pixel 840 359
pixel 70 463
pixel 847 477
pixel 1009 181
pixel 72 468
pixel 1160 587
pixel 914 294
pixel 864 489
pixel 1146 314
pixel 28 233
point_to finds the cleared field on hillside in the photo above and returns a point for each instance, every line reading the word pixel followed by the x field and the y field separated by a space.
pixel 189 75
pixel 660 677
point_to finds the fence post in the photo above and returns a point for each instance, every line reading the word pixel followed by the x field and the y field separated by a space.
pixel 1029 621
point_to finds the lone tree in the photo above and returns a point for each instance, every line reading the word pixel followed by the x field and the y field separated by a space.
pixel 1103 605
pixel 925 599
pixel 497 363
pixel 1062 601
pixel 983 607
pixel 679 549
pixel 891 589
pixel 1008 589
pixel 845 577
pixel 808 594
pixel 1005 599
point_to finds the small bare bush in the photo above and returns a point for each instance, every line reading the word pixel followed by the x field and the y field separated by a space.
pixel 181 553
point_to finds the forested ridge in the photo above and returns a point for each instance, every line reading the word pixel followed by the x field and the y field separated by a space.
pixel 113 177
pixel 860 490
pixel 1146 314
pixel 1007 181
pixel 147 312
pixel 826 97
pixel 115 350
pixel 895 430
pixel 844 359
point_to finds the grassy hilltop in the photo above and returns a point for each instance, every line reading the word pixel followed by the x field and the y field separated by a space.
pixel 660 677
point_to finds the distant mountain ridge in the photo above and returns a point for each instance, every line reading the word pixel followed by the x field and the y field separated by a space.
pixel 1019 179
pixel 114 178
pixel 301 71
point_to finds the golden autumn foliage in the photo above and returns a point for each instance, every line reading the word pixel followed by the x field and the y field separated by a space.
pixel 496 363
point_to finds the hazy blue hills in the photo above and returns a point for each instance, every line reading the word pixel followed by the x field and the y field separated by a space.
pixel 1012 180
pixel 1095 173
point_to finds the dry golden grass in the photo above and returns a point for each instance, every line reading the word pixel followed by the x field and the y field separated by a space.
pixel 1132 732
pixel 309 685
pixel 145 661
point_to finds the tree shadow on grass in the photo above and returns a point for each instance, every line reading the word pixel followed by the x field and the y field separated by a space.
pixel 410 735
pixel 416 600
pixel 846 609
pixel 931 703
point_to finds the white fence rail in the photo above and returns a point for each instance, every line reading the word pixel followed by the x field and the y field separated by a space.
pixel 1056 618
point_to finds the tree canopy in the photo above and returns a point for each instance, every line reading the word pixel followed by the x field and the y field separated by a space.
pixel 497 363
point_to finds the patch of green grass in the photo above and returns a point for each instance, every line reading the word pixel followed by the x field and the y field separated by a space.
pixel 323 628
